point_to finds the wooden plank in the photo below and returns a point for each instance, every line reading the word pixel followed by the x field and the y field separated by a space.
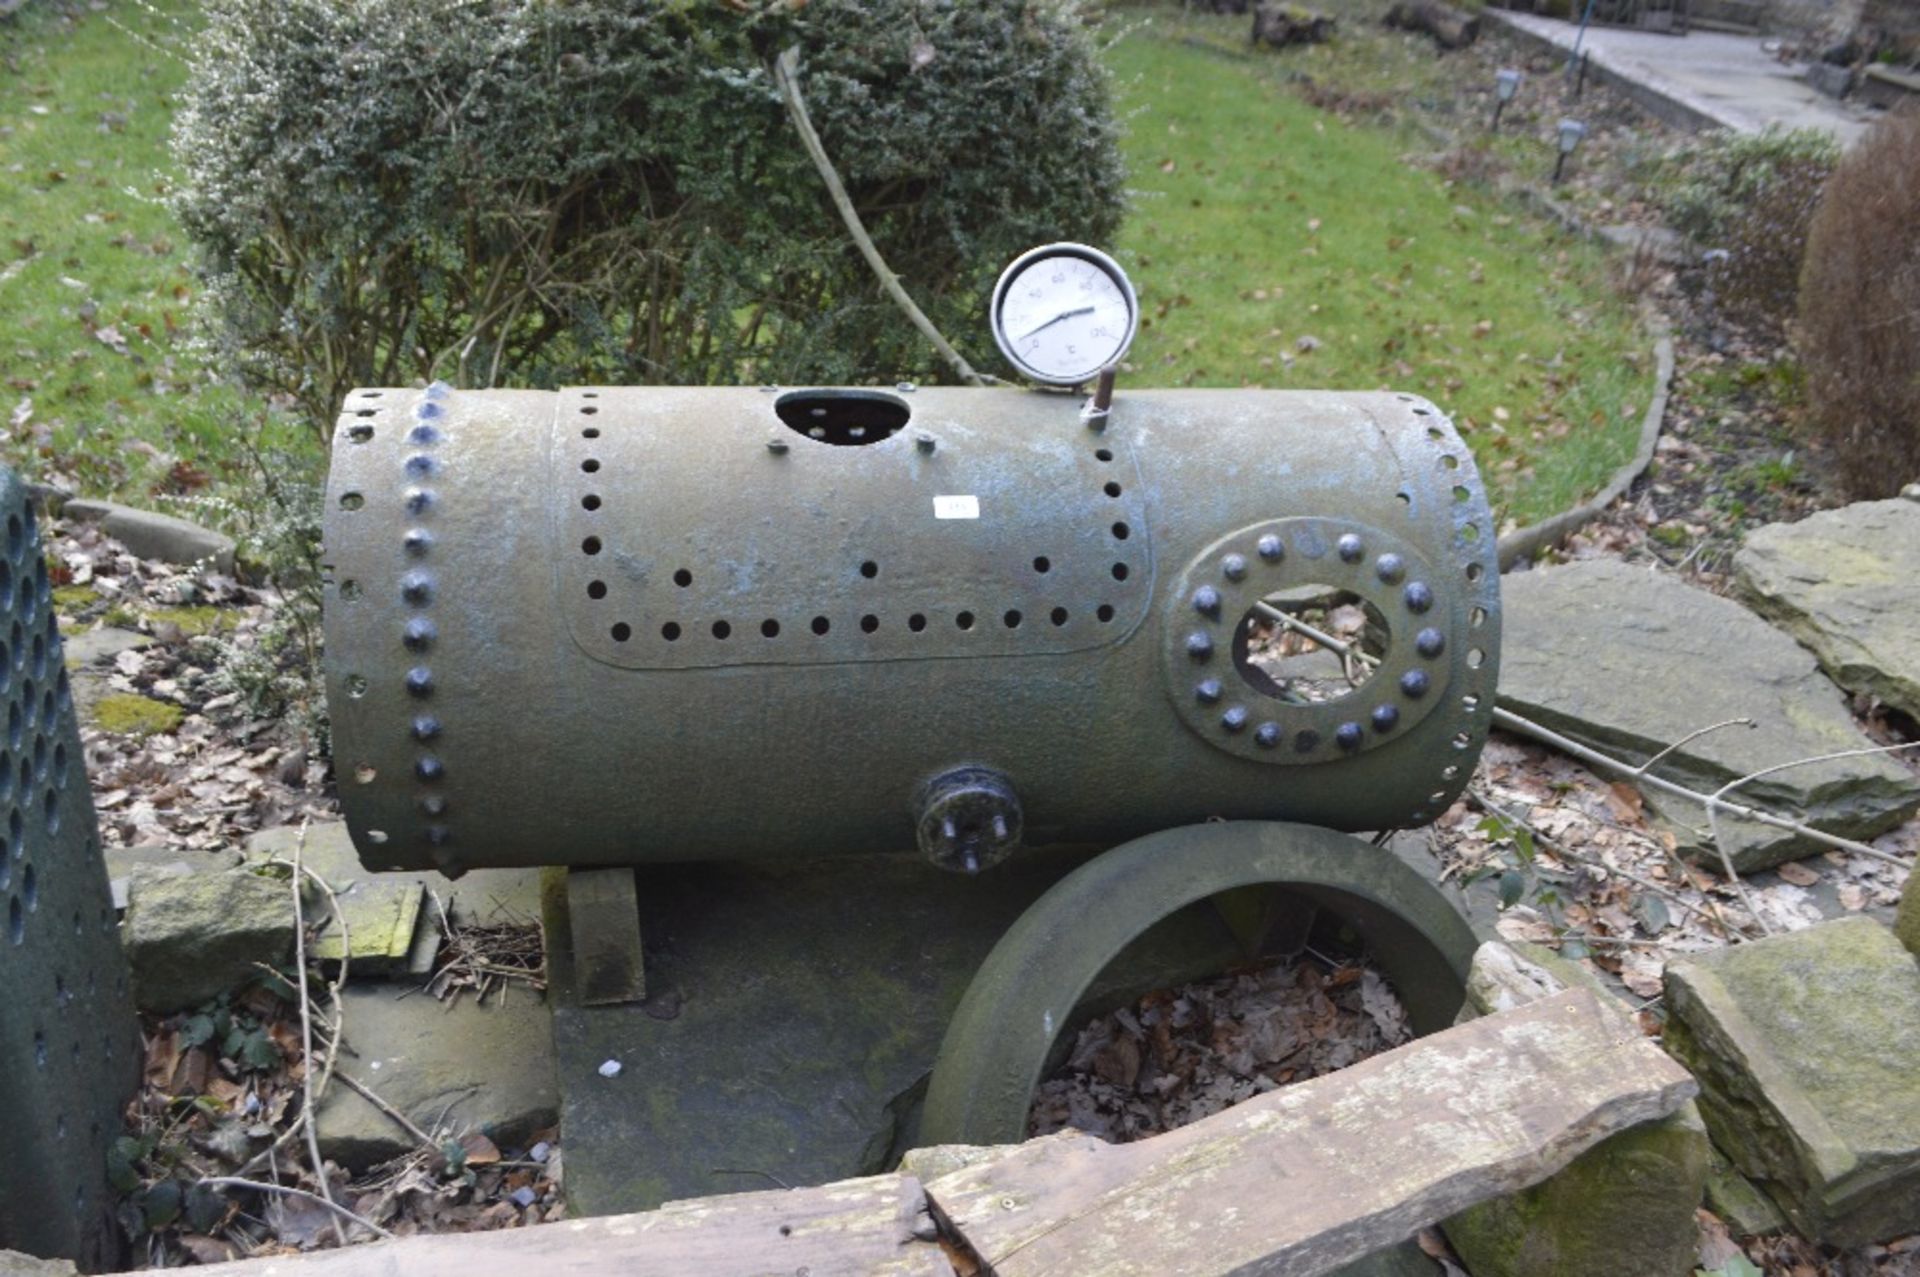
pixel 1304 1179
pixel 855 1228
pixel 604 908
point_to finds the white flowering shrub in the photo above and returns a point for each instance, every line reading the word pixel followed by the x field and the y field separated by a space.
pixel 549 191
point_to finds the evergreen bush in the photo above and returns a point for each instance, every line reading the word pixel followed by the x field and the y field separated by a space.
pixel 551 191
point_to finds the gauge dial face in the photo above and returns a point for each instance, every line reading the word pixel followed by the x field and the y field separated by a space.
pixel 1063 312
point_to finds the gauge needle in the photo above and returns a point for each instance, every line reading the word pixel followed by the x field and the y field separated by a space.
pixel 1065 314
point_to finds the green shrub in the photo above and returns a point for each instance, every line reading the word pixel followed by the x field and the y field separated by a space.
pixel 544 191
pixel 1752 196
pixel 1860 310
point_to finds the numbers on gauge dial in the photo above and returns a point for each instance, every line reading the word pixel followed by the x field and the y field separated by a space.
pixel 1065 316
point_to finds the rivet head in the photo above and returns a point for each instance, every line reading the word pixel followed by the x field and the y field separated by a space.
pixel 1414 684
pixel 1385 718
pixel 1305 742
pixel 905 387
pixel 1418 596
pixel 425 727
pixel 1199 645
pixel 418 500
pixel 1269 548
pixel 428 767
pixel 419 634
pixel 423 434
pixel 1207 691
pixel 416 587
pixel 437 835
pixel 420 681
pixel 417 541
pixel 1234 567
pixel 1206 601
pixel 1390 568
pixel 925 442
pixel 439 390
pixel 1234 719
pixel 434 805
pixel 1347 736
pixel 1350 548
pixel 1267 735
pixel 420 465
pixel 1429 643
pixel 428 410
pixel 777 446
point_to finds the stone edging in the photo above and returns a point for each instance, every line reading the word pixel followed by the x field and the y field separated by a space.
pixel 1524 543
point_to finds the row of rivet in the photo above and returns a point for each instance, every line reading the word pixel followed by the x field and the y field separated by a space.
pixel 420 633
pixel 1349 736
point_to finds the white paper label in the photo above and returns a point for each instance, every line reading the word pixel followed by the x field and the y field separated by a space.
pixel 956 507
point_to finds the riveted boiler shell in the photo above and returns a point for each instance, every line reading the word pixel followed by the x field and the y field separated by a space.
pixel 602 626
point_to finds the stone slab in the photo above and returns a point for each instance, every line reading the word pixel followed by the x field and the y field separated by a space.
pixel 604 936
pixel 189 939
pixel 1846 584
pixel 1744 1209
pixel 484 895
pixel 1906 924
pixel 459 1066
pixel 1629 661
pixel 151 535
pixel 1805 1046
pixel 161 860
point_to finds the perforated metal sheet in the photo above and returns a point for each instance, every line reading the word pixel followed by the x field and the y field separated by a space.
pixel 760 546
pixel 69 1043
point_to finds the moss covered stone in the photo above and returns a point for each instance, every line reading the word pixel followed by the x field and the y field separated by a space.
pixel 194 621
pixel 1624 1206
pixel 129 714
pixel 1805 1046
pixel 74 600
pixel 192 938
pixel 1906 924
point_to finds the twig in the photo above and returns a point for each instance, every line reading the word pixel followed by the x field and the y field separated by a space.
pixel 1487 803
pixel 261 1186
pixel 785 68
pixel 306 1029
pixel 1513 722
pixel 406 1123
pixel 1688 739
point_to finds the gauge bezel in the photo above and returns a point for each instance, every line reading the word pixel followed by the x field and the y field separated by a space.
pixel 1033 257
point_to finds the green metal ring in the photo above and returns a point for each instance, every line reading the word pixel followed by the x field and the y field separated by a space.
pixel 1024 995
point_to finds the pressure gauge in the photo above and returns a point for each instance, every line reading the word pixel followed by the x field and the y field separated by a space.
pixel 1062 312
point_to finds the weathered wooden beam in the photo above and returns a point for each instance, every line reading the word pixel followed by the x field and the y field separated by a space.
pixel 1312 1176
pixel 603 909
pixel 855 1228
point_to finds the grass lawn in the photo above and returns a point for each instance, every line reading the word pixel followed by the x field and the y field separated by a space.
pixel 1276 244
pixel 104 389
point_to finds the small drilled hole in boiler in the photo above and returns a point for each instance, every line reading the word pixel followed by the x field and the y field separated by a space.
pixel 964 620
pixel 1121 531
pixel 587 410
pixel 820 625
pixel 1475 658
pixel 869 569
pixel 590 546
pixel 351 501
pixel 770 628
pixel 596 589
pixel 356 685
pixel 1461 740
pixel 670 631
pixel 621 632
pixel 1012 618
pixel 1111 489
pixel 1475 571
pixel 1104 612
pixel 1477 617
pixel 869 623
pixel 722 630
pixel 1043 564
pixel 1470 532
pixel 591 501
pixel 591 432
pixel 364 774
pixel 360 434
pixel 350 590
pixel 916 622
pixel 591 465
pixel 1449 462
pixel 1103 454
pixel 377 837
pixel 1059 616
pixel 1460 493
pixel 589 394
pixel 1120 571
pixel 844 418
pixel 1469 703
pixel 682 578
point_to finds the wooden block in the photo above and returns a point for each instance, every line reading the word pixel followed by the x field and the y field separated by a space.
pixel 604 908
pixel 1304 1179
pixel 855 1228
